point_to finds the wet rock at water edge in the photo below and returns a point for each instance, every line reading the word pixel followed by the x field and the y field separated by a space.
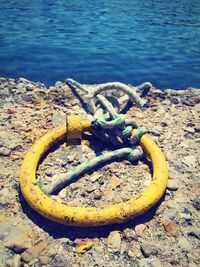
pixel 58 84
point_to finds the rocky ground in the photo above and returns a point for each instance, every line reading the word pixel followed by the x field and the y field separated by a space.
pixel 167 235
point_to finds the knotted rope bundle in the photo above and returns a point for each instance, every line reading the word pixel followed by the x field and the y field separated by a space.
pixel 109 126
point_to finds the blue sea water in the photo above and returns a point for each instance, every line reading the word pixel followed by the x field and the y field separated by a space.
pixel 96 41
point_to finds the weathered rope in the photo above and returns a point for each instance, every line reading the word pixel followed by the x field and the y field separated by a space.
pixel 130 93
pixel 64 178
pixel 109 126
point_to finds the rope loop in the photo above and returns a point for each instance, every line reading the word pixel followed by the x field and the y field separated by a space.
pixel 108 124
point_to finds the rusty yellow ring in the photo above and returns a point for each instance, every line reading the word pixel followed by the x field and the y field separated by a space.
pixel 90 216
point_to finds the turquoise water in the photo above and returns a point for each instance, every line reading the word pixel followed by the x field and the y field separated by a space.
pixel 100 41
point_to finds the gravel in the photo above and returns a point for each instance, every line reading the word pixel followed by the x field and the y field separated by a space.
pixel 165 236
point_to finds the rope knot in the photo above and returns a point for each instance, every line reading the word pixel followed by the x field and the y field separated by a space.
pixel 108 124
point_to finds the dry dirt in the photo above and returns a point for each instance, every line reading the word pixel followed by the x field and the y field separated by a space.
pixel 167 235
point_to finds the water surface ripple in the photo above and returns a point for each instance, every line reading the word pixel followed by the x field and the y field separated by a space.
pixel 97 41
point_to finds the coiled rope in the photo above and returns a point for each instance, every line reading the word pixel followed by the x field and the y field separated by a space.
pixel 109 126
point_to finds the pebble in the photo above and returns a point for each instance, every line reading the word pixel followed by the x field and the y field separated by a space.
pixel 80 241
pixel 95 177
pixel 83 248
pixel 33 252
pixel 44 259
pixel 196 203
pixel 23 80
pixel 114 241
pixel 4 151
pixel 76 185
pixel 49 172
pixel 134 251
pixel 166 264
pixel 4 193
pixel 186 214
pixel 18 242
pixel 190 130
pixel 15 262
pixel 175 100
pixel 60 261
pixel 129 234
pixel 63 193
pixel 143 263
pixel 109 193
pixel 148 250
pixel 153 262
pixel 192 264
pixel 189 161
pixel 171 204
pixel 194 232
pixel 91 188
pixel 9 140
pixel 74 153
pixel 184 244
pixel 123 247
pixel 11 110
pixel 4 229
pixel 75 203
pixel 170 213
pixel 139 229
pixel 170 227
pixel 131 253
pixel 58 84
pixel 30 87
pixel 172 185
pixel 21 89
pixel 115 181
pixel 97 196
pixel 58 118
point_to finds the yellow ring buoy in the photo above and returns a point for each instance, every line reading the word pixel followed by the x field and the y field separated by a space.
pixel 90 216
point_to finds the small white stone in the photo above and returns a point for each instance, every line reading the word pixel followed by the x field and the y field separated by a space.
pixel 172 185
pixel 95 177
pixel 184 244
pixel 189 161
pixel 114 241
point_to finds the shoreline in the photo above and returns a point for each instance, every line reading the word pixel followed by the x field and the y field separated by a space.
pixel 41 84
